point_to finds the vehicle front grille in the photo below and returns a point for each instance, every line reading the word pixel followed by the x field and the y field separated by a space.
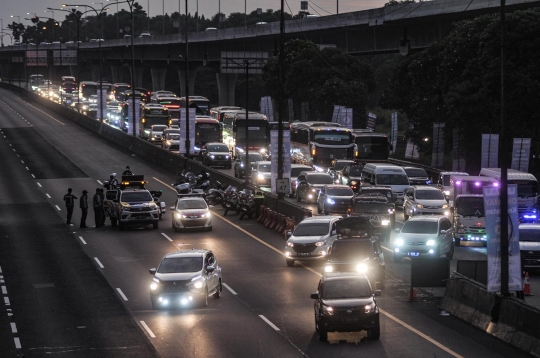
pixel 175 286
pixel 349 311
pixel 415 243
pixel 530 255
pixel 304 248
pixel 146 208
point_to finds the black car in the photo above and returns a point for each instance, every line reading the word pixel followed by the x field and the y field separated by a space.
pixel 334 199
pixel 345 302
pixel 351 176
pixel 216 154
pixel 385 191
pixel 377 210
pixel 239 163
pixel 357 250
pixel 417 176
pixel 309 184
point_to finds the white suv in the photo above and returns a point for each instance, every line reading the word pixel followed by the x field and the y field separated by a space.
pixel 311 239
pixel 424 200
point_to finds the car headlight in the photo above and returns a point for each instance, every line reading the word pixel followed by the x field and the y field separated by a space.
pixel 328 269
pixel 419 206
pixel 198 282
pixel 362 268
pixel 398 242
pixel 153 286
pixel 241 165
pixel 184 216
pixel 290 244
pixel 371 308
pixel 327 310
pixel 430 243
pixel 320 243
pixel 314 190
pixel 262 151
pixel 391 211
pixel 330 201
pixel 260 176
pixel 445 206
pixel 178 215
pixel 385 222
pixel 226 157
pixel 354 182
pixel 446 192
pixel 212 156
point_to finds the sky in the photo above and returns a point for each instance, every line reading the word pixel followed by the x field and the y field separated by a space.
pixel 207 8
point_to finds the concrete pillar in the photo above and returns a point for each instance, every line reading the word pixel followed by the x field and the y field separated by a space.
pixel 226 88
pixel 138 75
pixel 73 71
pixel 95 73
pixel 158 78
pixel 116 74
pixel 191 81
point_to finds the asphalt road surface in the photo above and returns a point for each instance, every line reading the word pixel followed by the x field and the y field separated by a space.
pixel 85 292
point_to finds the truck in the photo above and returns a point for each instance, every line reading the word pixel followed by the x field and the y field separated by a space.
pixel 131 204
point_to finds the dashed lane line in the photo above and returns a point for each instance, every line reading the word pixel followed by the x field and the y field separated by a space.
pixel 48 115
pixel 148 329
pixel 165 235
pixel 269 323
pixel 99 262
pixel 121 294
pixel 230 289
pixel 82 240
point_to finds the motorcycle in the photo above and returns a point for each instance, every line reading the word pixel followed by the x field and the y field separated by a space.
pixel 231 200
pixel 156 194
pixel 246 204
pixel 215 195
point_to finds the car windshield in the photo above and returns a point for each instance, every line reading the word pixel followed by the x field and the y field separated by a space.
pixel 158 128
pixel 470 206
pixel 386 193
pixel 446 180
pixel 355 171
pixel 370 208
pixel 295 172
pixel 429 194
pixel 311 229
pixel 264 168
pixel 191 204
pixel 420 227
pixel 532 234
pixel 416 172
pixel 352 250
pixel 255 157
pixel 217 148
pixel 319 179
pixel 340 165
pixel 340 192
pixel 180 264
pixel 173 136
pixel 136 196
pixel 346 288
pixel 526 188
pixel 392 179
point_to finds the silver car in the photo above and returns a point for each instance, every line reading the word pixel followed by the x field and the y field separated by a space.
pixel 424 236
pixel 191 213
pixel 261 174
pixel 185 278
pixel 311 239
pixel 171 139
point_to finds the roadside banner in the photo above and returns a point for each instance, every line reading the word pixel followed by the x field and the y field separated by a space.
pixel 437 153
pixel 490 150
pixel 266 108
pixel 102 104
pixel 411 151
pixel 393 131
pixel 347 118
pixel 371 121
pixel 192 115
pixel 137 117
pixel 520 154
pixel 274 133
pixel 493 231
pixel 458 159
pixel 338 112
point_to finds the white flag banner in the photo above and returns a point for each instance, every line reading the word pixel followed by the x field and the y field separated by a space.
pixel 394 131
pixel 521 153
pixel 411 151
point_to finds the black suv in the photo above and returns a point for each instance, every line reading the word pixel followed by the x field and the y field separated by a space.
pixel 345 302
pixel 239 163
pixel 216 154
pixel 357 250
pixel 309 184
pixel 377 210
pixel 385 191
pixel 417 176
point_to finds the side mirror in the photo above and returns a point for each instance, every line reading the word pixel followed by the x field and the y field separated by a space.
pixel 210 269
pixel 377 292
pixel 210 206
pixel 152 271
pixel 172 208
pixel 289 233
pixel 162 205
pixel 333 232
pixel 443 232
pixel 315 296
pixel 397 230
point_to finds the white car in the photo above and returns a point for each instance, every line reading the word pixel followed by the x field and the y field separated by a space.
pixel 171 139
pixel 191 213
pixel 311 239
pixel 424 200
pixel 261 173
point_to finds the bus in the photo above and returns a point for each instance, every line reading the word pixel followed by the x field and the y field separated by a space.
pixel 200 103
pixel 118 88
pixel 527 191
pixel 207 130
pixel 87 89
pixel 371 147
pixel 234 131
pixel 319 143
pixel 171 103
pixel 152 114
pixel 219 112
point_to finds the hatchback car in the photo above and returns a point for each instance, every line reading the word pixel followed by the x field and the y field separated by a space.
pixel 309 184
pixel 261 174
pixel 191 213
pixel 185 278
pixel 345 302
pixel 216 154
pixel 424 236
pixel 334 199
pixel 424 200
pixel 311 239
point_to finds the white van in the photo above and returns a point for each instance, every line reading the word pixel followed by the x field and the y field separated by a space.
pixel 383 174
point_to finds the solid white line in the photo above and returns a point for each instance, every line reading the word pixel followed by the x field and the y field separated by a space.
pixel 98 262
pixel 13 327
pixel 57 207
pixel 0 269
pixel 84 242
pixel 100 183
pixel 27 168
pixel 269 323
pixel 39 185
pixel 6 301
pixel 121 294
pixel 230 289
pixel 148 329
pixel 168 238
pixel 22 161
pixel 4 290
pixel 33 176
pixel 48 196
pixel 17 342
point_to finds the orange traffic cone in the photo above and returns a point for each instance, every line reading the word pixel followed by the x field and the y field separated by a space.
pixel 412 295
pixel 527 286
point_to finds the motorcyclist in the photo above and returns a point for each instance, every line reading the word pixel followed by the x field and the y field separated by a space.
pixel 127 171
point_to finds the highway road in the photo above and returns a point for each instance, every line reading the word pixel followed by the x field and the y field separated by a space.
pixel 85 292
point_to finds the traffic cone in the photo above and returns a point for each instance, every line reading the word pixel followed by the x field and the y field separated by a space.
pixel 412 295
pixel 527 286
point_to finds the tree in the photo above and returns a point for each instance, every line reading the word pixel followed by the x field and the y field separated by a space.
pixel 323 78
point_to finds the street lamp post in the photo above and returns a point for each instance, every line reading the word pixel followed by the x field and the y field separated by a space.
pixel 247 164
pixel 100 19
pixel 54 23
pixel 187 86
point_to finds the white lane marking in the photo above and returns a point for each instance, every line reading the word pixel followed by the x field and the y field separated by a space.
pixel 4 290
pixel 13 327
pixel 121 294
pixel 22 161
pixel 48 196
pixel 230 289
pixel 100 183
pixel 17 342
pixel 80 238
pixel 269 323
pixel 399 222
pixel 162 182
pixel 168 238
pixel 39 185
pixel 10 145
pixel 148 329
pixel 6 301
pixel 28 104
pixel 33 176
pixel 99 262
pixel 57 207
pixel 0 269
pixel 27 168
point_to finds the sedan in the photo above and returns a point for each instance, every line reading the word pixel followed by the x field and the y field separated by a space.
pixel 191 213
pixel 184 278
pixel 216 154
pixel 334 199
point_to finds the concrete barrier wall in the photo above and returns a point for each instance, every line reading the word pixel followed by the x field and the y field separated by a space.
pixel 508 319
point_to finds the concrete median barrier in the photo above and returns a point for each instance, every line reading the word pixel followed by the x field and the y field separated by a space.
pixel 485 302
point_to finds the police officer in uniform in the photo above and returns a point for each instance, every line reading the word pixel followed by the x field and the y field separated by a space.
pixel 83 204
pixel 97 208
pixel 69 199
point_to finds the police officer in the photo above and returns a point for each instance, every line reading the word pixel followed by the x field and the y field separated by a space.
pixel 102 196
pixel 83 204
pixel 97 208
pixel 69 199
pixel 127 171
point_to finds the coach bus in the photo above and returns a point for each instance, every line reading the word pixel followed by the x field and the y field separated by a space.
pixel 207 130
pixel 87 89
pixel 200 103
pixel 118 88
pixel 152 114
pixel 219 112
pixel 319 143
pixel 234 131
pixel 171 103
pixel 371 147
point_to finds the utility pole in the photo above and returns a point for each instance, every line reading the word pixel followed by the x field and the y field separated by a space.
pixel 281 94
pixel 187 86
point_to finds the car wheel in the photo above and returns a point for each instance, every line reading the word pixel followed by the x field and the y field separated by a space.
pixel 290 263
pixel 450 253
pixel 398 257
pixel 217 294
pixel 204 299
pixel 375 332
pixel 155 225
pixel 298 197
pixel 323 335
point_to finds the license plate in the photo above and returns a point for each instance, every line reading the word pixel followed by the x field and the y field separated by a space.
pixel 349 320
pixel 413 254
pixel 304 254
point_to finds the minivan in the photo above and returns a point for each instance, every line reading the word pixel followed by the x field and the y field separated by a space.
pixel 382 174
